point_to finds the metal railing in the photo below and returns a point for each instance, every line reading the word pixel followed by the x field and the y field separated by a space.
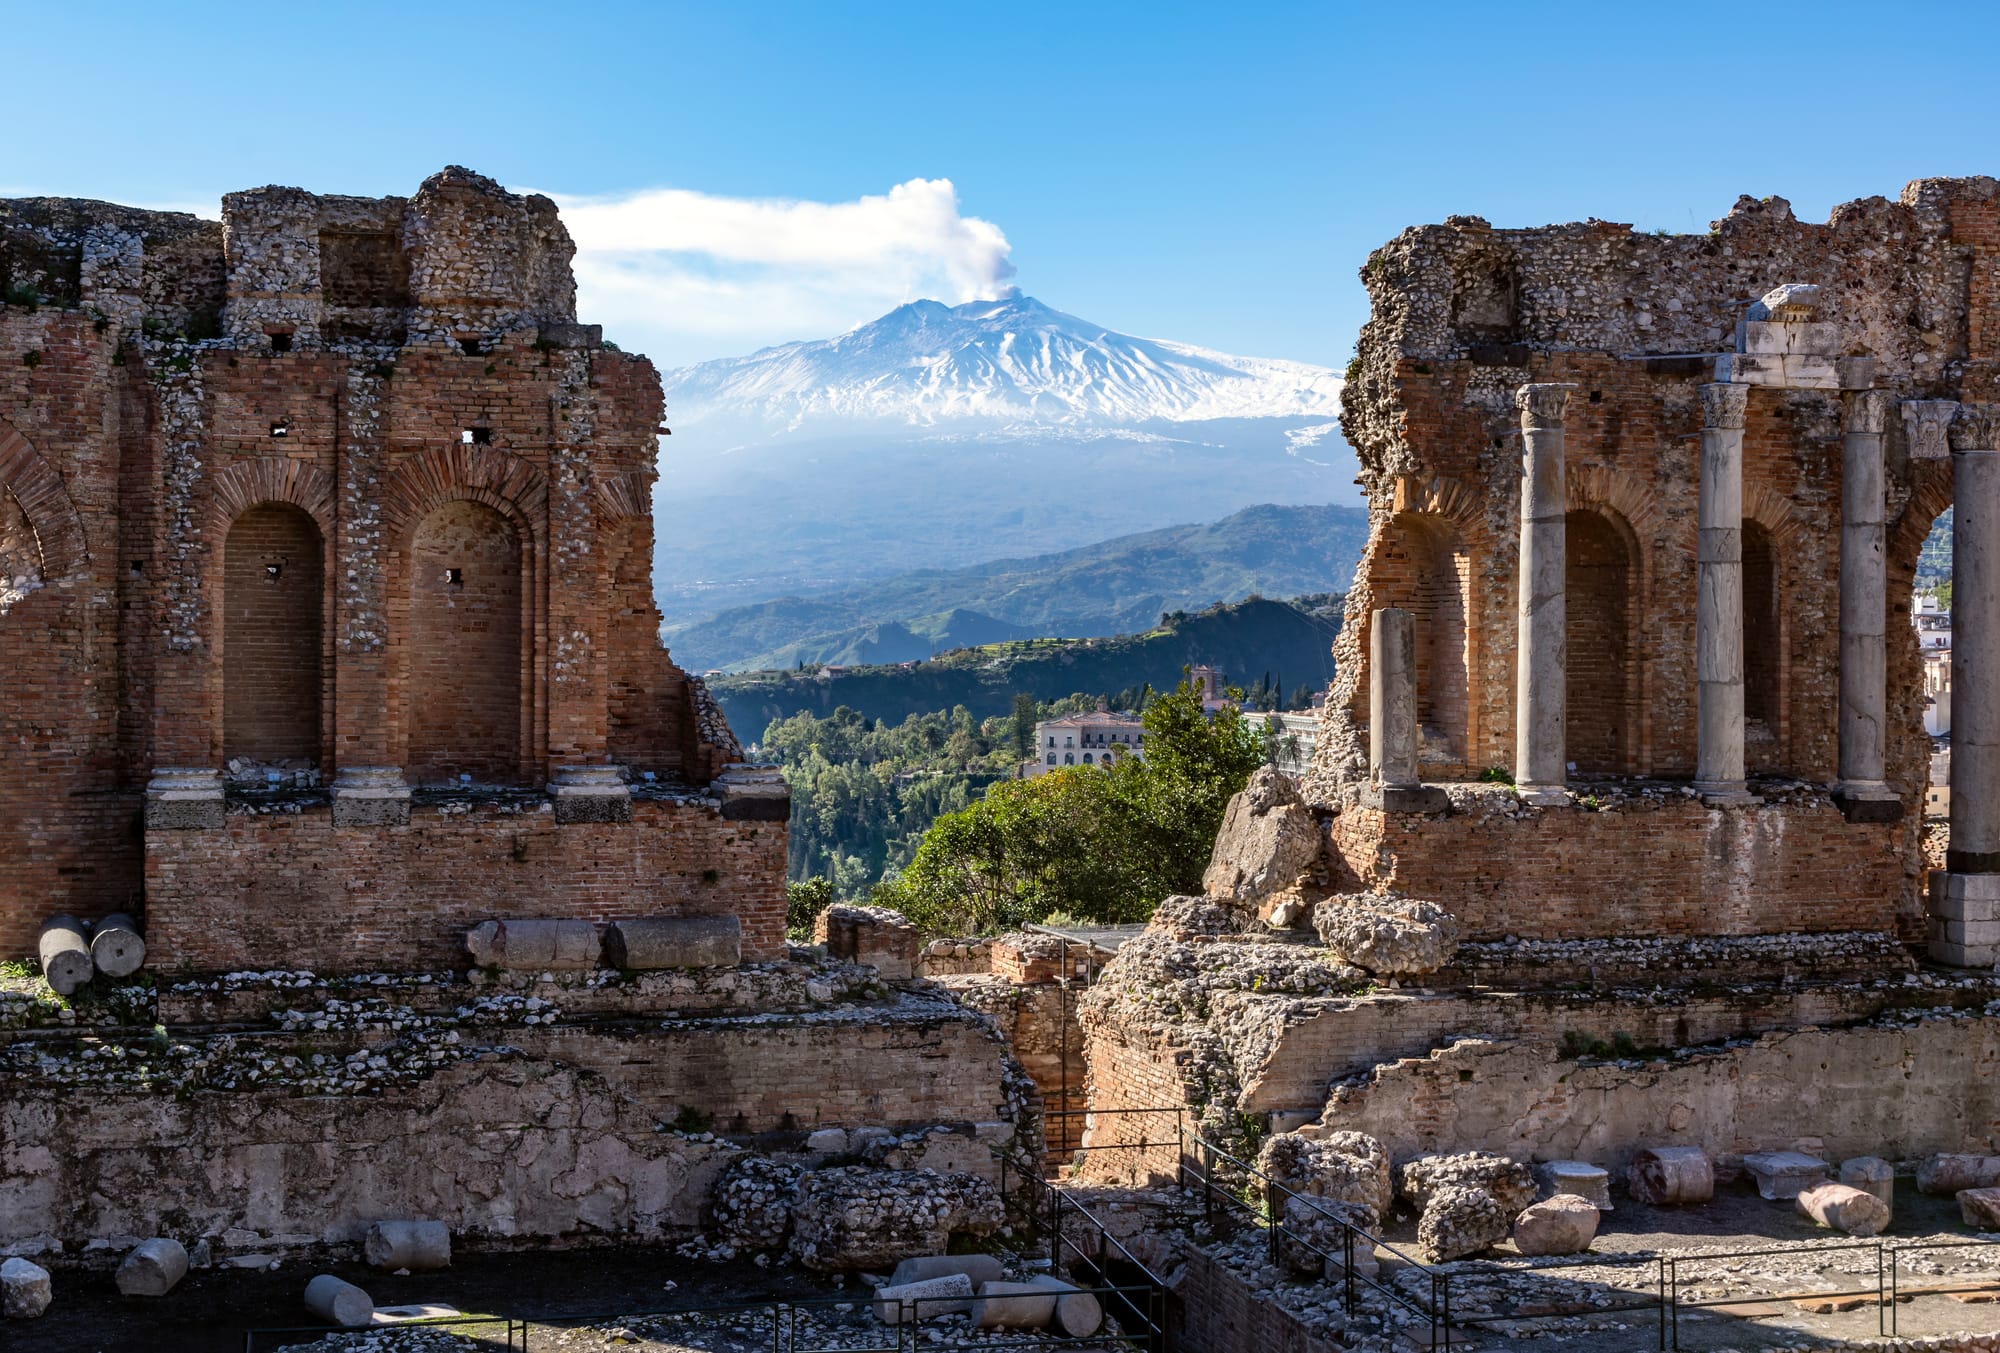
pixel 482 1327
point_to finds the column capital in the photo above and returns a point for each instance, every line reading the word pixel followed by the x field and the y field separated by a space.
pixel 1976 427
pixel 1868 410
pixel 1542 405
pixel 1724 405
pixel 1924 425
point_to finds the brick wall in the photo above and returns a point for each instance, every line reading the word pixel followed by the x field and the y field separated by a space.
pixel 463 658
pixel 1665 866
pixel 1215 1311
pixel 289 890
pixel 271 636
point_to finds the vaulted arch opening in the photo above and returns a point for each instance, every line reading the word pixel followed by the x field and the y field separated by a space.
pixel 1423 566
pixel 272 636
pixel 1602 692
pixel 463 653
pixel 1763 650
pixel 20 551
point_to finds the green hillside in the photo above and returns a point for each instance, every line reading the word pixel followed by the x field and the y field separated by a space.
pixel 1116 586
pixel 1289 641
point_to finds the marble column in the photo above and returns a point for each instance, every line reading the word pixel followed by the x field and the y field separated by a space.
pixel 1864 604
pixel 1540 756
pixel 1394 781
pixel 1718 635
pixel 1965 900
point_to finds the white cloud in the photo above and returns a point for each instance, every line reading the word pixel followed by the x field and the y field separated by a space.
pixel 684 276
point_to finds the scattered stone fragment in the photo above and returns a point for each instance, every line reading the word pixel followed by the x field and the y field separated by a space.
pixel 534 945
pixel 1268 840
pixel 1350 1166
pixel 1314 1241
pixel 924 1299
pixel 152 1268
pixel 1980 1208
pixel 65 954
pixel 978 1268
pixel 1953 1172
pixel 25 1291
pixel 1387 934
pixel 1781 1175
pixel 1461 1220
pixel 1563 1224
pixel 1870 1174
pixel 1592 1183
pixel 1671 1175
pixel 1079 1314
pixel 415 1245
pixel 827 1141
pixel 337 1302
pixel 116 949
pixel 1842 1207
pixel 1013 1306
pixel 1511 1183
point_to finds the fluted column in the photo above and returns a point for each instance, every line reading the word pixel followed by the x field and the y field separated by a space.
pixel 1718 634
pixel 1864 602
pixel 1965 900
pixel 1540 693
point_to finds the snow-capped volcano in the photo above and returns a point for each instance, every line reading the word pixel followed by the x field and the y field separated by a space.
pixel 927 365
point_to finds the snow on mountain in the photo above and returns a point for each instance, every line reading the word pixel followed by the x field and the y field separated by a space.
pixel 927 366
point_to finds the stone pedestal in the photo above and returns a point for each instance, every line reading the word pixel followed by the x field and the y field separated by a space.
pixel 370 796
pixel 753 793
pixel 1718 635
pixel 1965 900
pixel 590 794
pixel 184 798
pixel 1863 793
pixel 1541 608
pixel 1393 782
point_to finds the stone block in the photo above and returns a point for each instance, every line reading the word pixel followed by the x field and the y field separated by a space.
pixel 978 1268
pixel 1405 798
pixel 1563 1224
pixel 1671 1175
pixel 416 1245
pixel 753 794
pixel 590 794
pixel 1782 1174
pixel 534 945
pixel 370 796
pixel 184 799
pixel 1870 1174
pixel 1980 1208
pixel 1269 838
pixel 674 942
pixel 1842 1207
pixel 924 1298
pixel 1952 1172
pixel 25 1290
pixel 152 1268
pixel 827 1142
pixel 1576 1177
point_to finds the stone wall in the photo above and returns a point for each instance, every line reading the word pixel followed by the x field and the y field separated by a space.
pixel 285 887
pixel 1215 1311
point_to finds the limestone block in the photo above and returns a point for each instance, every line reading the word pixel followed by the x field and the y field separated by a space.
pixel 337 1302
pixel 1269 838
pixel 1783 1174
pixel 1668 1175
pixel 65 954
pixel 116 949
pixel 827 1141
pixel 1870 1174
pixel 415 1245
pixel 1345 1166
pixel 152 1268
pixel 674 942
pixel 25 1291
pixel 1590 1182
pixel 924 1299
pixel 1079 1314
pixel 1461 1220
pixel 1013 1306
pixel 1980 1208
pixel 534 945
pixel 1511 1183
pixel 1842 1207
pixel 1953 1172
pixel 1387 934
pixel 979 1268
pixel 1563 1224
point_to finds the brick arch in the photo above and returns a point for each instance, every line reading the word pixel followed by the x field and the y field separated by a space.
pixel 624 495
pixel 271 479
pixel 46 502
pixel 1632 506
pixel 428 480
pixel 1455 502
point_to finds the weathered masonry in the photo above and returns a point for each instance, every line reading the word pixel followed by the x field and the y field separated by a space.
pixel 326 619
pixel 1653 505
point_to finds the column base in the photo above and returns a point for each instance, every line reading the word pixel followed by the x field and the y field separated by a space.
pixel 1867 801
pixel 752 794
pixel 1965 919
pixel 1725 794
pixel 1405 798
pixel 370 796
pixel 184 798
pixel 1543 796
pixel 590 794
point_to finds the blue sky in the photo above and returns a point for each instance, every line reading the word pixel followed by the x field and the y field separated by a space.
pixel 1212 173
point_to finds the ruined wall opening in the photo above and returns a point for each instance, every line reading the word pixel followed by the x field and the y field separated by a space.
pixel 20 552
pixel 1763 650
pixel 1424 567
pixel 462 687
pixel 363 268
pixel 272 588
pixel 1601 575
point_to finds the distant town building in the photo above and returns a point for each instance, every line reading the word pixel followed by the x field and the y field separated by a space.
pixel 1933 626
pixel 1095 739
pixel 1290 737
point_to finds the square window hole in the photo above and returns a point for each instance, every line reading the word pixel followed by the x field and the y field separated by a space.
pixel 477 436
pixel 281 428
pixel 454 577
pixel 274 571
pixel 281 342
pixel 472 347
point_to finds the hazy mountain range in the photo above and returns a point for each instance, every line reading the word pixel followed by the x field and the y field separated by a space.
pixel 1118 586
pixel 942 436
